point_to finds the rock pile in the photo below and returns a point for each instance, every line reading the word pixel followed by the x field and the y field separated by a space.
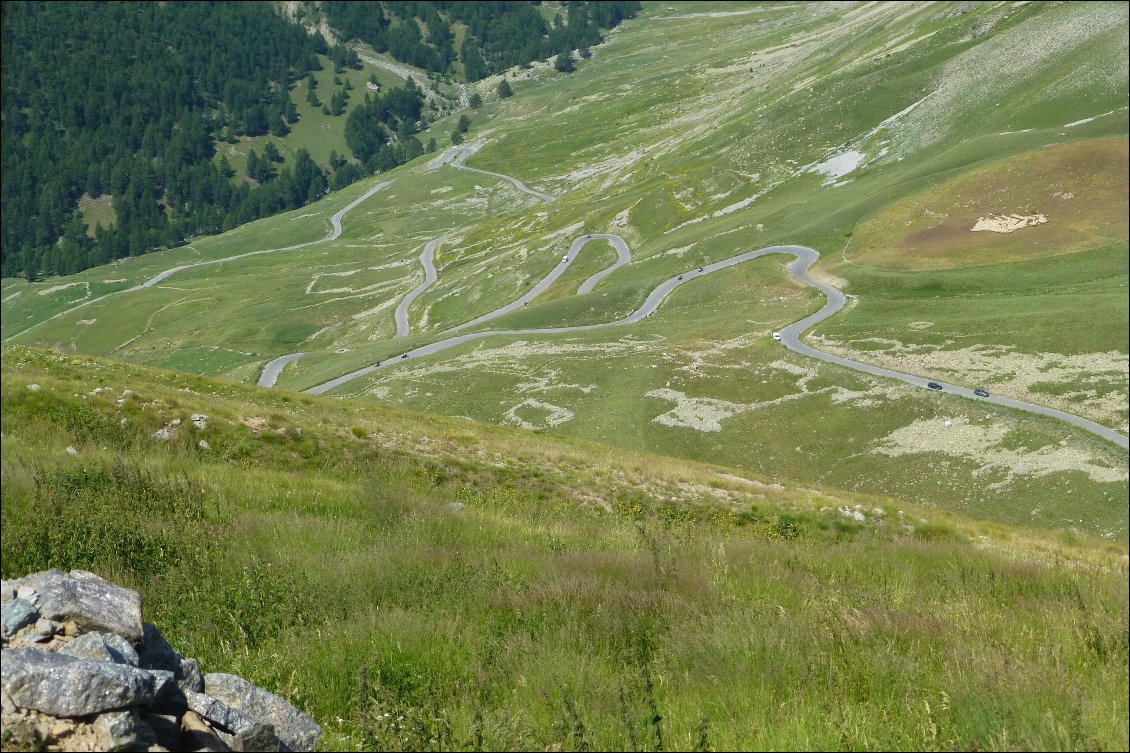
pixel 81 671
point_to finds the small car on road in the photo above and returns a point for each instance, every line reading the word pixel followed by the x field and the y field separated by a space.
pixel 981 392
pixel 777 336
pixel 933 385
pixel 404 355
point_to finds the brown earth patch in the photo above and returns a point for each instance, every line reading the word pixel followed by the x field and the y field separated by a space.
pixel 1080 188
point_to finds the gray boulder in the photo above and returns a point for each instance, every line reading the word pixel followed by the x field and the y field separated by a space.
pixel 296 730
pixel 17 614
pixel 165 730
pixel 242 729
pixel 154 652
pixel 93 603
pixel 69 686
pixel 119 730
pixel 102 647
pixel 261 738
pixel 33 583
pixel 190 677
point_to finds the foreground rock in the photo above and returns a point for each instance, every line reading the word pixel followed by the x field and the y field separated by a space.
pixel 81 671
pixel 296 730
pixel 93 603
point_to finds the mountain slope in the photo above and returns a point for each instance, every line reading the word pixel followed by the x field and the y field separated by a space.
pixel 425 583
pixel 695 135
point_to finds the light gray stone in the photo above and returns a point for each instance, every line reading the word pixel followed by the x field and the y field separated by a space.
pixel 35 581
pixel 70 686
pixel 296 730
pixel 239 730
pixel 102 647
pixel 94 603
pixel 46 628
pixel 118 730
pixel 17 614
pixel 190 677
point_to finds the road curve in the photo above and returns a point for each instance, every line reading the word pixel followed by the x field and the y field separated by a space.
pixel 272 370
pixel 623 256
pixel 558 270
pixel 430 276
pixel 455 155
pixel 790 336
pixel 335 233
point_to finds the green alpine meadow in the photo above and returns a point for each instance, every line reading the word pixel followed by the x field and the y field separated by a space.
pixel 582 376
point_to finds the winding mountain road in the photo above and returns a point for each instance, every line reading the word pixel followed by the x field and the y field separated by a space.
pixel 272 370
pixel 455 155
pixel 335 233
pixel 430 276
pixel 623 258
pixel 790 336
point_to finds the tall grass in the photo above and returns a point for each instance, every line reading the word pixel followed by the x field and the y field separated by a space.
pixel 339 571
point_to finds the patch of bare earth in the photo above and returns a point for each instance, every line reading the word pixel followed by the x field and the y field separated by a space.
pixel 959 438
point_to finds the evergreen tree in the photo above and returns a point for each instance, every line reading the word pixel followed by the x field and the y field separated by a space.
pixel 271 152
pixel 564 62
pixel 253 165
pixel 504 89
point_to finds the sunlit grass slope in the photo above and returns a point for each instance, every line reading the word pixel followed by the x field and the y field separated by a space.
pixel 425 583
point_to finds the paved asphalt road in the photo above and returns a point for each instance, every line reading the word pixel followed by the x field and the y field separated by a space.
pixel 430 276
pixel 559 269
pixel 335 233
pixel 790 336
pixel 272 370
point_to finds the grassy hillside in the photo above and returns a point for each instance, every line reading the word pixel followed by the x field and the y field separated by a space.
pixel 422 583
pixel 879 134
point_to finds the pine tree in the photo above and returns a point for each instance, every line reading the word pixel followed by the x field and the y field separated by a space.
pixel 504 89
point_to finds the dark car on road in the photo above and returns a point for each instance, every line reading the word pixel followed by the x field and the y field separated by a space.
pixel 933 385
pixel 981 392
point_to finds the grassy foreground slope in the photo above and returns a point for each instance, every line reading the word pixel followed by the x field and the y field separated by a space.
pixel 423 583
